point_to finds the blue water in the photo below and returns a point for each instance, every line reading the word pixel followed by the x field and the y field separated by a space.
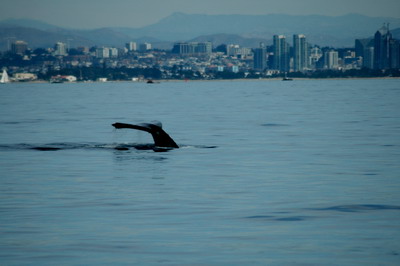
pixel 268 173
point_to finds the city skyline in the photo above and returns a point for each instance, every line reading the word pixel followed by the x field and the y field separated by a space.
pixel 197 60
pixel 94 14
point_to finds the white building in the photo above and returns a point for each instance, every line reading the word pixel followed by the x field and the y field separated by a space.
pixel 102 52
pixel 315 56
pixel 113 52
pixel 25 76
pixel 300 52
pixel 331 60
pixel 233 50
pixel 131 46
pixel 145 47
pixel 60 49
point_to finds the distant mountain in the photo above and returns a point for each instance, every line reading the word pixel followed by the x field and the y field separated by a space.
pixel 39 34
pixel 27 23
pixel 246 30
pixel 46 35
pixel 323 30
pixel 35 38
pixel 218 39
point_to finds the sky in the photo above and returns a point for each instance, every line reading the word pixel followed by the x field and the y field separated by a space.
pixel 88 14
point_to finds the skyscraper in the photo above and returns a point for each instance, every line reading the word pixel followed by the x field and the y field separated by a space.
pixel 260 58
pixel 281 53
pixel 300 52
pixel 361 45
pixel 382 48
pixel 331 59
pixel 394 47
pixel 368 58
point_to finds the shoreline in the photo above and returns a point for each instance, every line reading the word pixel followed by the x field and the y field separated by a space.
pixel 205 80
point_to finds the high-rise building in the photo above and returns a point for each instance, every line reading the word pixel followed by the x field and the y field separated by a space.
pixel 394 47
pixel 113 52
pixel 60 48
pixel 281 54
pixel 203 48
pixel 382 48
pixel 300 53
pixel 131 46
pixel 363 44
pixel 144 47
pixel 184 48
pixel 331 59
pixel 103 52
pixel 368 58
pixel 19 47
pixel 315 56
pixel 181 48
pixel 260 58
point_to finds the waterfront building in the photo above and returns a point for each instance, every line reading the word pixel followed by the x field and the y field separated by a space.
pixel 260 58
pixel 394 50
pixel 382 48
pixel 19 47
pixel 300 52
pixel 331 59
pixel 60 49
pixel 315 56
pixel 361 45
pixel 368 58
pixel 25 76
pixel 234 69
pixel 281 54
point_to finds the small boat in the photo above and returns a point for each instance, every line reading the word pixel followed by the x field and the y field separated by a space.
pixel 149 81
pixel 285 78
pixel 4 77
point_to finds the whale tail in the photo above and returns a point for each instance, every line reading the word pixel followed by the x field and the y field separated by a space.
pixel 161 138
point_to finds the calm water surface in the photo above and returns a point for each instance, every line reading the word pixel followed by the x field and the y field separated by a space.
pixel 268 173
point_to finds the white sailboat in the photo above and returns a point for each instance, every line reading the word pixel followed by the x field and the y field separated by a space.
pixel 4 77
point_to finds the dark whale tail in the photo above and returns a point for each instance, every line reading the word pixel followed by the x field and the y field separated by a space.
pixel 161 138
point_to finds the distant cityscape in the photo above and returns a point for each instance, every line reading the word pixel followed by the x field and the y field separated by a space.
pixel 371 57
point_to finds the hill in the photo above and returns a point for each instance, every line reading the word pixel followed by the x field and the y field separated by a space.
pixel 246 30
pixel 218 39
pixel 322 30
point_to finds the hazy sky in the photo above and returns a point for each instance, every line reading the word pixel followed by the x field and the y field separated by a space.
pixel 137 13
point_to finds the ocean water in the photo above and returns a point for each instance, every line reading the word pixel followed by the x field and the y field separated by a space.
pixel 268 173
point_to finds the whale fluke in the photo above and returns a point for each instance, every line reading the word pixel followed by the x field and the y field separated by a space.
pixel 161 138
